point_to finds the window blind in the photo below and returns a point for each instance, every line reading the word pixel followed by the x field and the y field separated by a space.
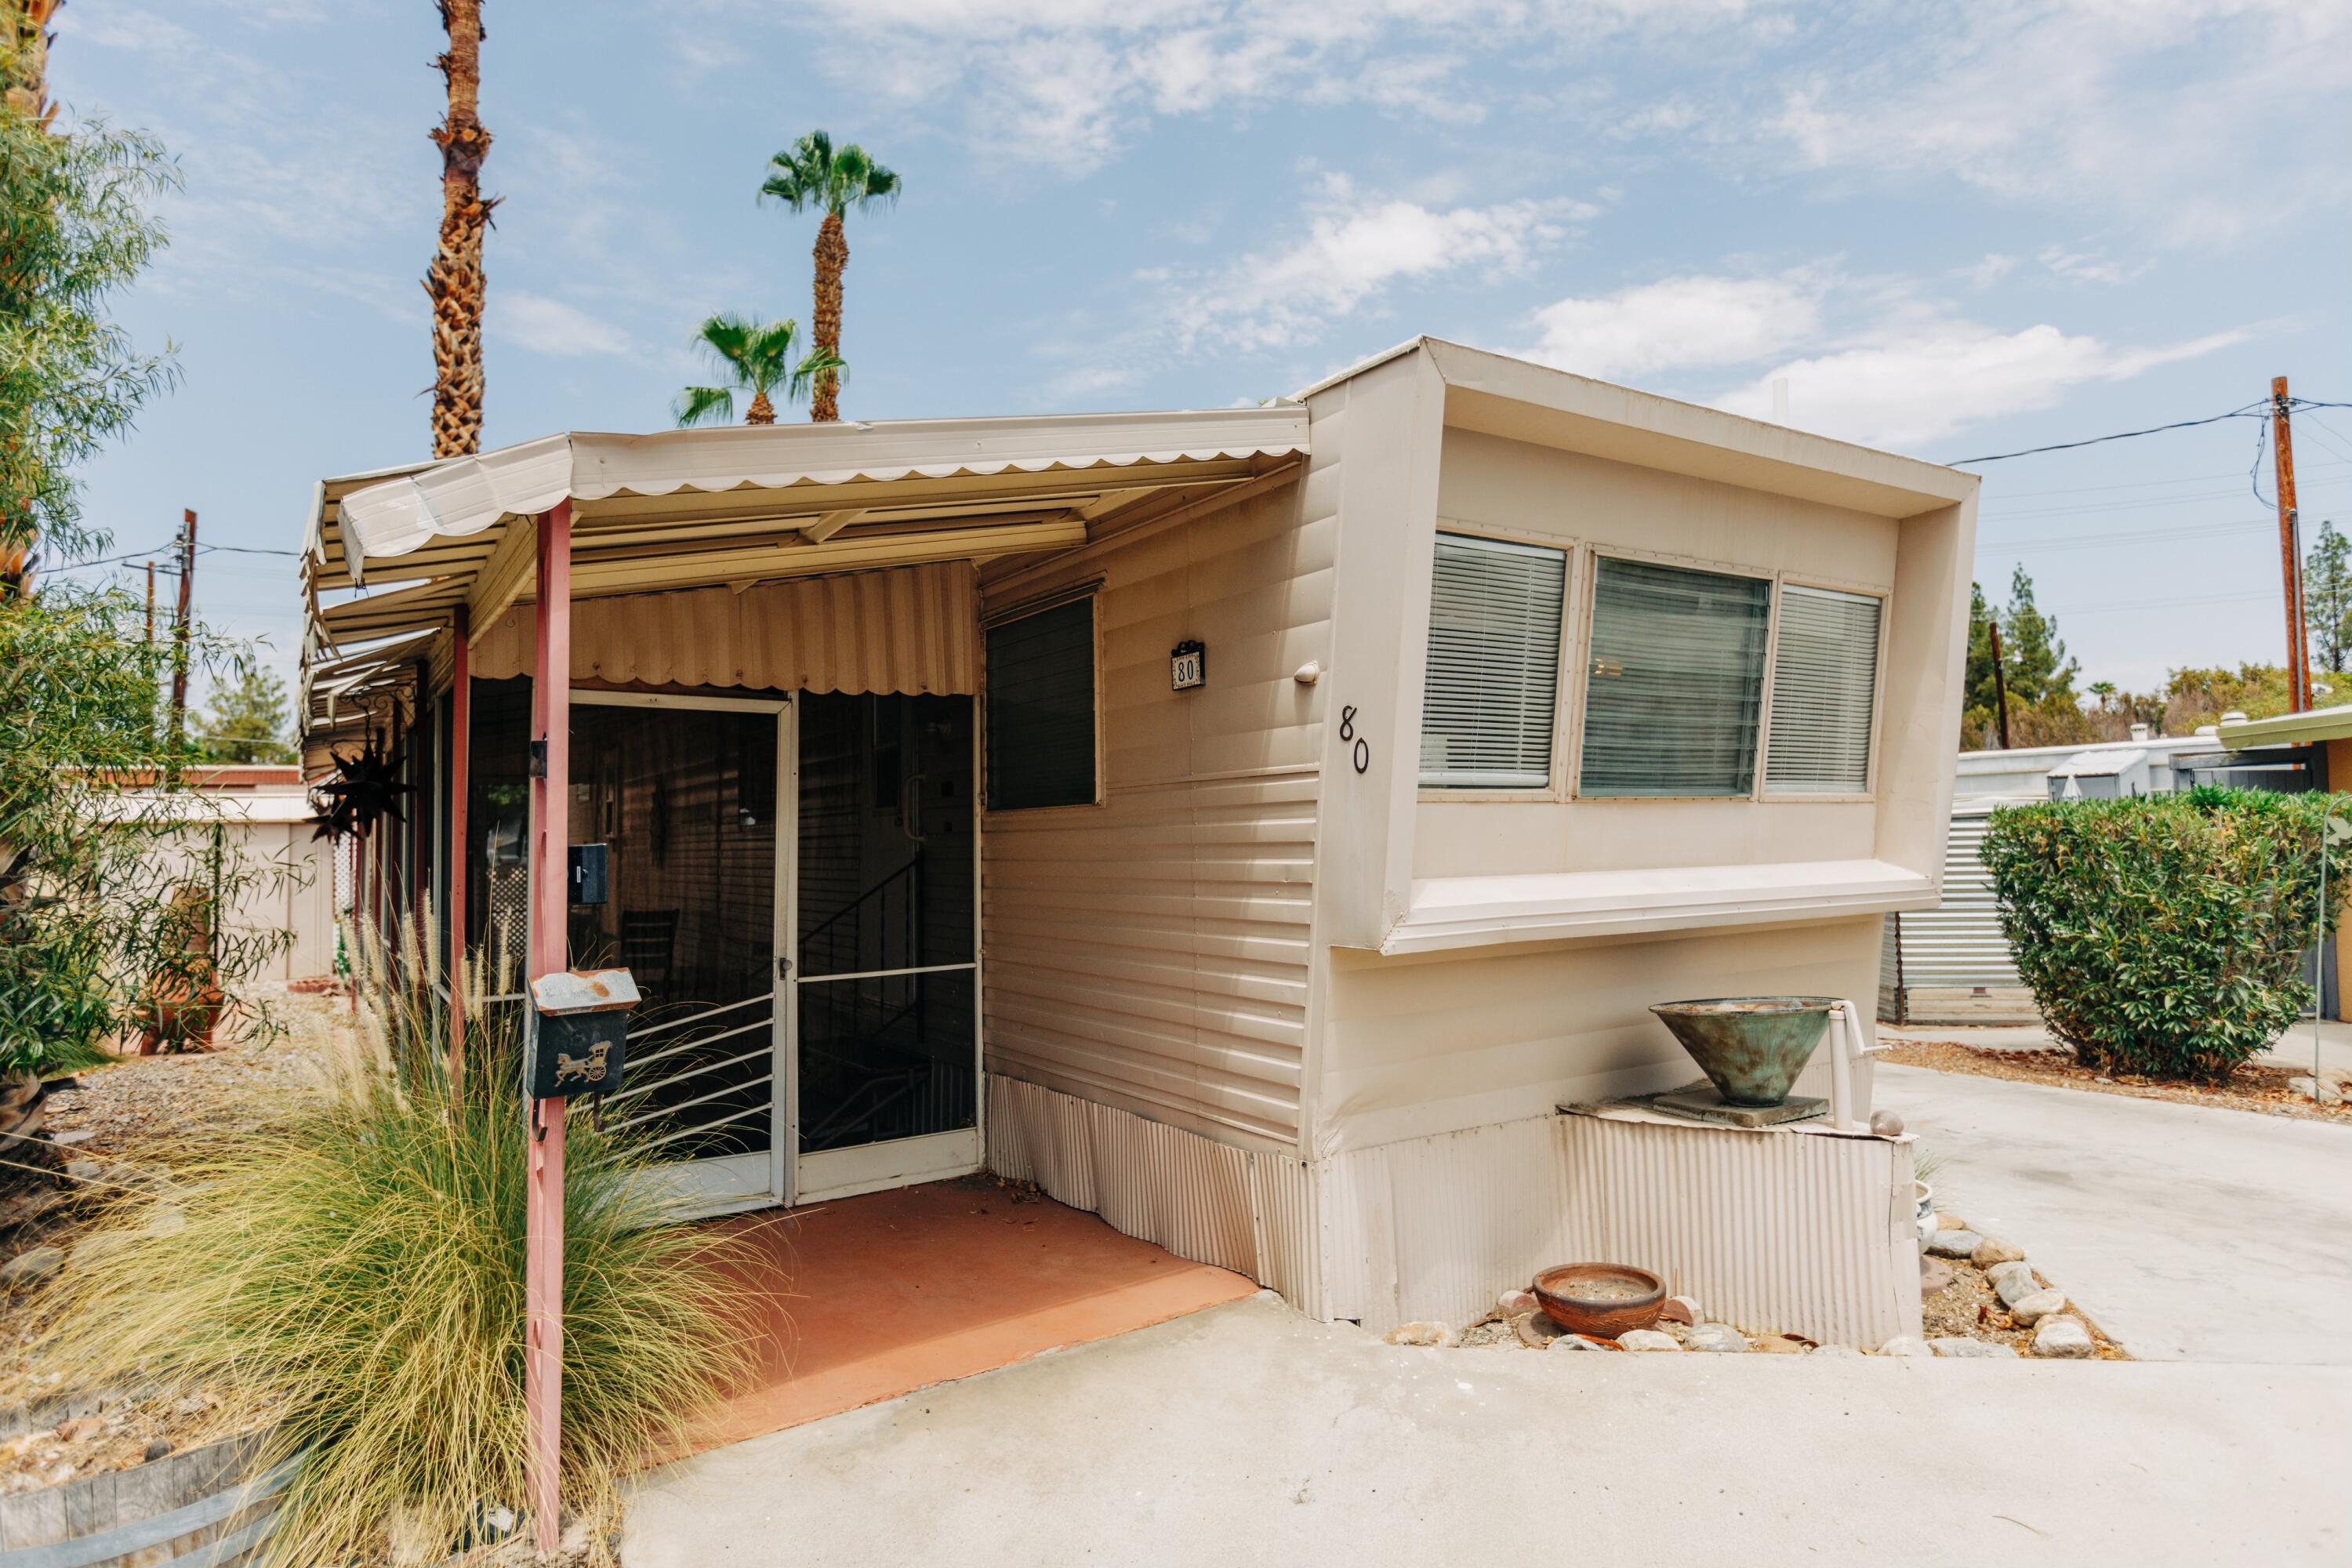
pixel 1824 679
pixel 1673 688
pixel 1493 683
pixel 1041 709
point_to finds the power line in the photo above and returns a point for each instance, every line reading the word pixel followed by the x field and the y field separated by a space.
pixel 2134 485
pixel 2248 412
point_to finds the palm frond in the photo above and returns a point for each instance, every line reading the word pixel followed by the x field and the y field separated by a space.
pixel 859 182
pixel 818 362
pixel 799 175
pixel 725 338
pixel 705 405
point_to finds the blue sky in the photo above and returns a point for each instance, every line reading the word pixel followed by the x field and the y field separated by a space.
pixel 1953 229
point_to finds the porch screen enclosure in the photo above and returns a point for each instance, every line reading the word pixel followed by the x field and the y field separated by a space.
pixel 791 881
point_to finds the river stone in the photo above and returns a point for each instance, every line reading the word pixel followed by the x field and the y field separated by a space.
pixel 1951 1222
pixel 1577 1342
pixel 32 1267
pixel 1434 1335
pixel 1887 1124
pixel 1681 1310
pixel 2040 1305
pixel 1906 1345
pixel 2016 1285
pixel 1720 1338
pixel 1836 1351
pixel 2314 1090
pixel 2000 1271
pixel 84 1170
pixel 2064 1338
pixel 1646 1340
pixel 1963 1349
pixel 1954 1243
pixel 1537 1331
pixel 1512 1303
pixel 1935 1275
pixel 1992 1252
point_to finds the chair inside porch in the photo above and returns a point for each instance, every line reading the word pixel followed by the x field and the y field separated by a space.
pixel 867 1299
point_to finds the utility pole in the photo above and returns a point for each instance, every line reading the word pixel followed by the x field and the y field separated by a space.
pixel 150 606
pixel 2000 681
pixel 180 630
pixel 2298 663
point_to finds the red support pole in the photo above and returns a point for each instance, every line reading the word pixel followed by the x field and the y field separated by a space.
pixel 461 749
pixel 551 797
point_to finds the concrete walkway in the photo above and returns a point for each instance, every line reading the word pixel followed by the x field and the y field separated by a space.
pixel 2294 1050
pixel 1248 1434
pixel 2184 1232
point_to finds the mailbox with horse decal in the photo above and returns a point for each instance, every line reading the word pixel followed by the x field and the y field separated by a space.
pixel 578 1029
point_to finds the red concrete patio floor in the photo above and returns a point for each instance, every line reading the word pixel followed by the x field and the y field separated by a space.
pixel 875 1296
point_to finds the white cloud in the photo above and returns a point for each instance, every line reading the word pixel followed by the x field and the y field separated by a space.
pixel 2201 121
pixel 1355 249
pixel 551 327
pixel 1678 323
pixel 1992 269
pixel 2082 266
pixel 1917 381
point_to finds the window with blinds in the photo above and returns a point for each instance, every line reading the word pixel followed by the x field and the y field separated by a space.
pixel 1825 681
pixel 1674 681
pixel 1041 709
pixel 1492 685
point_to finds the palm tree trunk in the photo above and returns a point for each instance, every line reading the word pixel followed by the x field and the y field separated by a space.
pixel 25 89
pixel 761 410
pixel 832 259
pixel 454 282
pixel 24 56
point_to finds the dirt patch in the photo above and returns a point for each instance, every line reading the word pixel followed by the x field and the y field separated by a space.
pixel 2257 1087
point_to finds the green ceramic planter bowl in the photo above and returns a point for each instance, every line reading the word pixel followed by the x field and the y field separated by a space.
pixel 1750 1048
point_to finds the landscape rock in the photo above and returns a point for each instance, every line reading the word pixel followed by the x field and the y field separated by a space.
pixel 1680 1309
pixel 2000 1271
pixel 1836 1351
pixel 92 1251
pixel 1720 1338
pixel 156 1450
pixel 1955 1243
pixel 1779 1344
pixel 31 1267
pixel 1537 1331
pixel 1577 1342
pixel 165 1220
pixel 1512 1303
pixel 1951 1222
pixel 1962 1349
pixel 1992 1252
pixel 84 1170
pixel 1906 1345
pixel 1887 1124
pixel 2040 1305
pixel 2323 1092
pixel 80 1428
pixel 68 1140
pixel 1935 1275
pixel 1646 1340
pixel 2016 1285
pixel 1434 1334
pixel 2063 1337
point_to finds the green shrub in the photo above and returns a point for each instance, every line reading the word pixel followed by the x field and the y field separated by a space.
pixel 2164 934
pixel 355 1272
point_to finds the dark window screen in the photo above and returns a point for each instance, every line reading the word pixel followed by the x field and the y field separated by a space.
pixel 1041 709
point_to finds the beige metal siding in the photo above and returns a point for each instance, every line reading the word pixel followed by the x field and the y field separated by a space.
pixel 1243 1209
pixel 1771 1231
pixel 1956 964
pixel 1151 952
pixel 910 630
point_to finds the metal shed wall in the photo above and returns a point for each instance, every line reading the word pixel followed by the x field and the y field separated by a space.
pixel 1955 964
pixel 1151 952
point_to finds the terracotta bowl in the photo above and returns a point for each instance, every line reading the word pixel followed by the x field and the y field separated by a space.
pixel 1603 1299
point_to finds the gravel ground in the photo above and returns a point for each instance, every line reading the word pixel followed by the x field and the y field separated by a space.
pixel 130 1119
pixel 2255 1087
pixel 1969 1307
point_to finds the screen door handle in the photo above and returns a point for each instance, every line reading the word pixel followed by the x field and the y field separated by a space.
pixel 783 967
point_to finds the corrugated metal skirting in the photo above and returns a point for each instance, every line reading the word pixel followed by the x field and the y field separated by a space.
pixel 1778 1231
pixel 1954 962
pixel 1243 1209
pixel 911 629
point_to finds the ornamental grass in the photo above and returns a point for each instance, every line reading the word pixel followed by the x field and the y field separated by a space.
pixel 353 1279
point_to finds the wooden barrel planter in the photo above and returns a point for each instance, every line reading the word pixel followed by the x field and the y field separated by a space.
pixel 201 1509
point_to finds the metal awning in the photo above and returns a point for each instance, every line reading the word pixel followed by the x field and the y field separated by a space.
pixel 393 554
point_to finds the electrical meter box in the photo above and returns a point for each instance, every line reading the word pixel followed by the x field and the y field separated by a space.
pixel 576 1032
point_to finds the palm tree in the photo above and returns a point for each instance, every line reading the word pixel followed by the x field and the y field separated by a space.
pixel 755 356
pixel 24 56
pixel 814 173
pixel 454 282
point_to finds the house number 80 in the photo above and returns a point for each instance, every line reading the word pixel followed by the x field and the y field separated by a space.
pixel 1362 755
